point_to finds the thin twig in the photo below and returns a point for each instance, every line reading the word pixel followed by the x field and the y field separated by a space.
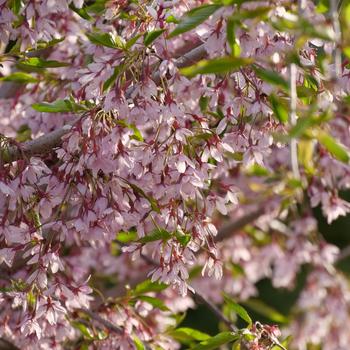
pixel 232 227
pixel 109 325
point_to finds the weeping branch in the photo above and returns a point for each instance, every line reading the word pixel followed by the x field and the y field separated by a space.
pixel 46 143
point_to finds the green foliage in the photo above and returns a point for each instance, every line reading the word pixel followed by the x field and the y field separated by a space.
pixel 151 36
pixel 193 19
pixel 265 310
pixel 149 286
pixel 216 341
pixel 272 77
pixel 58 106
pixel 156 235
pixel 37 64
pixel 216 66
pixel 238 309
pixel 106 39
pixel 20 77
pixel 337 150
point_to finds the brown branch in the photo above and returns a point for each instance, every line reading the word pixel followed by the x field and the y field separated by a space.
pixel 46 143
pixel 7 345
pixel 232 227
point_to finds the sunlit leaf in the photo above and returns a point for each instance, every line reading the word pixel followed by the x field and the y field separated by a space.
pixel 337 150
pixel 194 18
pixel 265 310
pixel 216 66
pixel 238 309
pixel 20 77
pixel 149 286
pixel 156 235
pixel 151 36
pixel 216 341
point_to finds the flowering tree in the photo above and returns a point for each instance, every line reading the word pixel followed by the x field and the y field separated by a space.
pixel 159 154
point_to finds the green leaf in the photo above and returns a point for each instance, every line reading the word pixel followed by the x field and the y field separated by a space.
pixel 265 310
pixel 20 77
pixel 84 330
pixel 37 64
pixel 81 12
pixel 216 66
pixel 129 44
pixel 260 12
pixel 185 334
pixel 193 19
pixel 216 341
pixel 156 235
pixel 337 150
pixel 58 106
pixel 238 309
pixel 138 343
pixel 15 6
pixel 102 39
pixel 24 133
pixel 149 286
pixel 279 109
pixel 126 237
pixel 111 80
pixel 41 45
pixel 151 36
pixel 157 303
pixel 183 239
pixel 271 77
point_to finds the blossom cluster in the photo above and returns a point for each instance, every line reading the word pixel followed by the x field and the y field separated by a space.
pixel 156 151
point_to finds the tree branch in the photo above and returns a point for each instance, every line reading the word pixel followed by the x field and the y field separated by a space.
pixel 109 325
pixel 46 143
pixel 230 228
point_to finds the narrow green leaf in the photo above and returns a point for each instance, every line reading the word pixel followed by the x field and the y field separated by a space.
pixel 193 19
pixel 216 341
pixel 185 334
pixel 279 109
pixel 102 39
pixel 156 235
pixel 155 302
pixel 59 106
pixel 41 45
pixel 238 309
pixel 337 150
pixel 216 66
pixel 126 237
pixel 138 343
pixel 80 11
pixel 271 77
pixel 84 330
pixel 151 36
pixel 149 286
pixel 111 80
pixel 129 44
pixel 183 239
pixel 260 12
pixel 37 64
pixel 265 310
pixel 20 77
